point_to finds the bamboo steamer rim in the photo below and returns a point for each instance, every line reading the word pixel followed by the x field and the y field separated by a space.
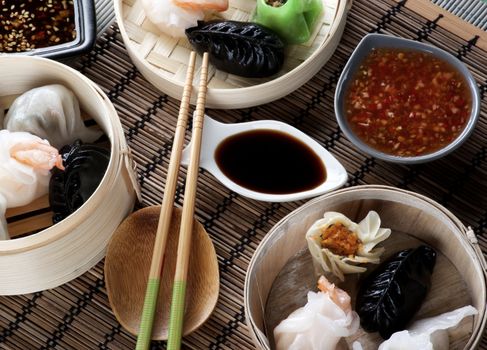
pixel 119 159
pixel 467 237
pixel 278 86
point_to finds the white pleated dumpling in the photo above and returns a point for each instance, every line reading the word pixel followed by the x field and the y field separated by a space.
pixel 429 333
pixel 25 164
pixel 51 112
pixel 339 245
pixel 321 323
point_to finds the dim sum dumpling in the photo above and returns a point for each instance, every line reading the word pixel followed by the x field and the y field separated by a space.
pixel 25 164
pixel 217 5
pixel 321 323
pixel 339 245
pixel 429 333
pixel 51 112
pixel 170 18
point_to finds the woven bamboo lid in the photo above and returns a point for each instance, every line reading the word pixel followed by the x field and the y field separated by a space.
pixel 162 59
pixel 458 278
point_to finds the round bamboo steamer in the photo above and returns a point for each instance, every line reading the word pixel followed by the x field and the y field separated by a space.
pixel 162 60
pixel 66 250
pixel 422 219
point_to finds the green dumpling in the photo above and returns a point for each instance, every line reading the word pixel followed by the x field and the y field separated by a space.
pixel 293 20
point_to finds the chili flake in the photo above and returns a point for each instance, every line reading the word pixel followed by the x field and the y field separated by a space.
pixel 407 103
pixel 29 24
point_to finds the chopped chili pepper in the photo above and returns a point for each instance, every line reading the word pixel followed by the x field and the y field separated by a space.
pixel 407 103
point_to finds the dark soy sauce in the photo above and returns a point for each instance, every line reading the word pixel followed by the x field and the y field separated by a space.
pixel 270 161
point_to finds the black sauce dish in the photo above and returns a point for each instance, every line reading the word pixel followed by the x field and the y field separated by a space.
pixel 373 41
pixel 85 26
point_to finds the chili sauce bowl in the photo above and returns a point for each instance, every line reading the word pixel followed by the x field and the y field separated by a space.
pixel 216 136
pixel 379 41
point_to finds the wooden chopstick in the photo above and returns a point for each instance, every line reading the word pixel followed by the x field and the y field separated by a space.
pixel 152 290
pixel 184 245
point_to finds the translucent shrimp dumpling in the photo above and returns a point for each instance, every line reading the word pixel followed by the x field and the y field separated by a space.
pixel 170 18
pixel 25 164
pixel 51 112
pixel 321 323
pixel 173 17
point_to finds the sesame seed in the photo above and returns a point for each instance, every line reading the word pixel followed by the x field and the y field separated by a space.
pixel 28 24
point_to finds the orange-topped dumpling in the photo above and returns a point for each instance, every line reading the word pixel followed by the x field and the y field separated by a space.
pixel 339 245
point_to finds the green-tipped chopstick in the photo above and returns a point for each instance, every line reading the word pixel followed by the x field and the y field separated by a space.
pixel 184 245
pixel 152 290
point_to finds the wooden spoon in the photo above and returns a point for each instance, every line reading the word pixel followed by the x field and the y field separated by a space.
pixel 127 267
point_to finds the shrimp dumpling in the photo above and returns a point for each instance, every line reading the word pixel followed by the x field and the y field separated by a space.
pixel 216 5
pixel 321 323
pixel 51 112
pixel 170 18
pixel 25 164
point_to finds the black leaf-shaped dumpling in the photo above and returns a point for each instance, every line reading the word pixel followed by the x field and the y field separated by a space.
pixel 85 165
pixel 390 296
pixel 240 48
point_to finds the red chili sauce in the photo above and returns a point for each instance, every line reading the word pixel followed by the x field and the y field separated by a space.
pixel 407 103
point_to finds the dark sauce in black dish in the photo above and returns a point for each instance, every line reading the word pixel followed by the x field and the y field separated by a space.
pixel 48 28
pixel 28 25
pixel 270 161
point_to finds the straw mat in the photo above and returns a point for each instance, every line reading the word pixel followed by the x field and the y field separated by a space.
pixel 77 315
pixel 473 11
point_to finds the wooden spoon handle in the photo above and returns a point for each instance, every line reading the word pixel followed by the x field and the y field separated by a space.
pixel 152 289
pixel 184 245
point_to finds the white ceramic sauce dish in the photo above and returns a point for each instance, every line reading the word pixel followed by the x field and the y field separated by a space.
pixel 214 133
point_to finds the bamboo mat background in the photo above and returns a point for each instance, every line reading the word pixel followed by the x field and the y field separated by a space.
pixel 473 11
pixel 77 315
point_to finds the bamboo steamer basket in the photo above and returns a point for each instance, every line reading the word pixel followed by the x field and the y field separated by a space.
pixel 400 210
pixel 62 252
pixel 162 60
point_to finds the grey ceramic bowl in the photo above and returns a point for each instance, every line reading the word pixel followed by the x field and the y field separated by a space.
pixel 372 41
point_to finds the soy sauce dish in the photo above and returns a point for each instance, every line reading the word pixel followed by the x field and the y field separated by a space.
pixel 268 160
pixel 405 101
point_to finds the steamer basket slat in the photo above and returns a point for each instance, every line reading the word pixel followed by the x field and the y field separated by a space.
pixel 162 59
pixel 418 217
pixel 46 255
